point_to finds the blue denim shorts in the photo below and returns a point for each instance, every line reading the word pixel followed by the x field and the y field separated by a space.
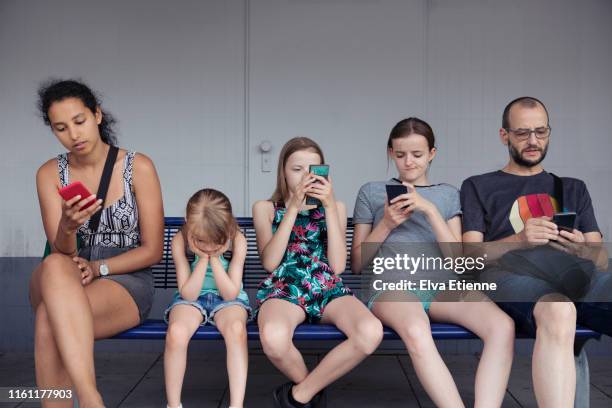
pixel 208 304
pixel 425 296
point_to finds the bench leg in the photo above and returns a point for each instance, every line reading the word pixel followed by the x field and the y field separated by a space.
pixel 582 381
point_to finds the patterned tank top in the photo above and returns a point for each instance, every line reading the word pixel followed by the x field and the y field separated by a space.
pixel 119 222
pixel 308 240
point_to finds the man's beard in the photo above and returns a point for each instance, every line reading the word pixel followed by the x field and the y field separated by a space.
pixel 518 158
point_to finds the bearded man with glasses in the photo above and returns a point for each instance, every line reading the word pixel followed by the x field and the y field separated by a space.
pixel 512 209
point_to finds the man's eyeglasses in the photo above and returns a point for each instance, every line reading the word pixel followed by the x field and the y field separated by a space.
pixel 523 134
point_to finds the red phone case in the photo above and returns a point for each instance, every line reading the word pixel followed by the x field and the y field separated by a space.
pixel 74 189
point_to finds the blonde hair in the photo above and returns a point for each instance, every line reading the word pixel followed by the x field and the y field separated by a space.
pixel 294 145
pixel 209 216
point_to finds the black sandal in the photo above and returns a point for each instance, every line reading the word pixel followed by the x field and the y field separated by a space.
pixel 281 397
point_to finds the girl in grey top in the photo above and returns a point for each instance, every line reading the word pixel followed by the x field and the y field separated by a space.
pixel 428 214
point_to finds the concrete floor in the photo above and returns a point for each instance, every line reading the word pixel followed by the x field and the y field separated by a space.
pixel 383 380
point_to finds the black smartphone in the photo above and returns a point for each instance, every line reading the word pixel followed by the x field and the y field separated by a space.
pixel 394 190
pixel 320 170
pixel 565 220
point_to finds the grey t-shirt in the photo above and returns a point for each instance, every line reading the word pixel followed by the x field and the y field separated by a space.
pixel 370 209
pixel 414 236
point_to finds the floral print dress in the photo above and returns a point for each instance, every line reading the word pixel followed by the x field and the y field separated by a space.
pixel 304 277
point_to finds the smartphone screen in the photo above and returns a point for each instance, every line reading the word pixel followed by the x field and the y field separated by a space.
pixel 320 170
pixel 565 220
pixel 394 190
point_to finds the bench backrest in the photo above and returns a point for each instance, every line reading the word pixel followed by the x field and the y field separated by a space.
pixel 165 272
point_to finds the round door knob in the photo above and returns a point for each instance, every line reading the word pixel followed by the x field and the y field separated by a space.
pixel 265 146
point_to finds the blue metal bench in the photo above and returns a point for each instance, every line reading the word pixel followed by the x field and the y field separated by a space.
pixel 165 278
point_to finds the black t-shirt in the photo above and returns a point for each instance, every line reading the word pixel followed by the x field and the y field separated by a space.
pixel 498 203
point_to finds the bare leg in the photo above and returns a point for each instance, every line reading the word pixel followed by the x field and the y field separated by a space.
pixel 50 371
pixel 364 334
pixel 409 320
pixel 106 308
pixel 231 322
pixel 35 295
pixel 496 329
pixel 554 371
pixel 184 321
pixel 63 295
pixel 277 321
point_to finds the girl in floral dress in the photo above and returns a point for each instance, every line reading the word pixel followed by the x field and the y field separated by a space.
pixel 304 248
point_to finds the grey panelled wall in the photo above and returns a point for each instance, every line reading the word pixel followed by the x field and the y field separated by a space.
pixel 344 72
pixel 198 85
pixel 172 75
pixel 340 72
pixel 482 54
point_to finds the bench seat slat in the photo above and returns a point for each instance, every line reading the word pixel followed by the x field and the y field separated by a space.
pixel 156 329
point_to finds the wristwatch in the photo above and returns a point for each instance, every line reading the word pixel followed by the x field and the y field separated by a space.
pixel 104 269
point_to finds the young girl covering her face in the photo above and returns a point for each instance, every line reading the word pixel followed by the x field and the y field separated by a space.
pixel 209 290
pixel 304 249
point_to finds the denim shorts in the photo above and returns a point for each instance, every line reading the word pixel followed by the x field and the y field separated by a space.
pixel 425 297
pixel 208 304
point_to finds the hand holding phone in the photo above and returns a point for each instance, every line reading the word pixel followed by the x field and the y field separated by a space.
pixel 319 170
pixel 74 189
pixel 394 217
pixel 76 211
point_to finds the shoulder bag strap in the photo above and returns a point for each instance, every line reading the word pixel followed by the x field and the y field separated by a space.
pixel 107 173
